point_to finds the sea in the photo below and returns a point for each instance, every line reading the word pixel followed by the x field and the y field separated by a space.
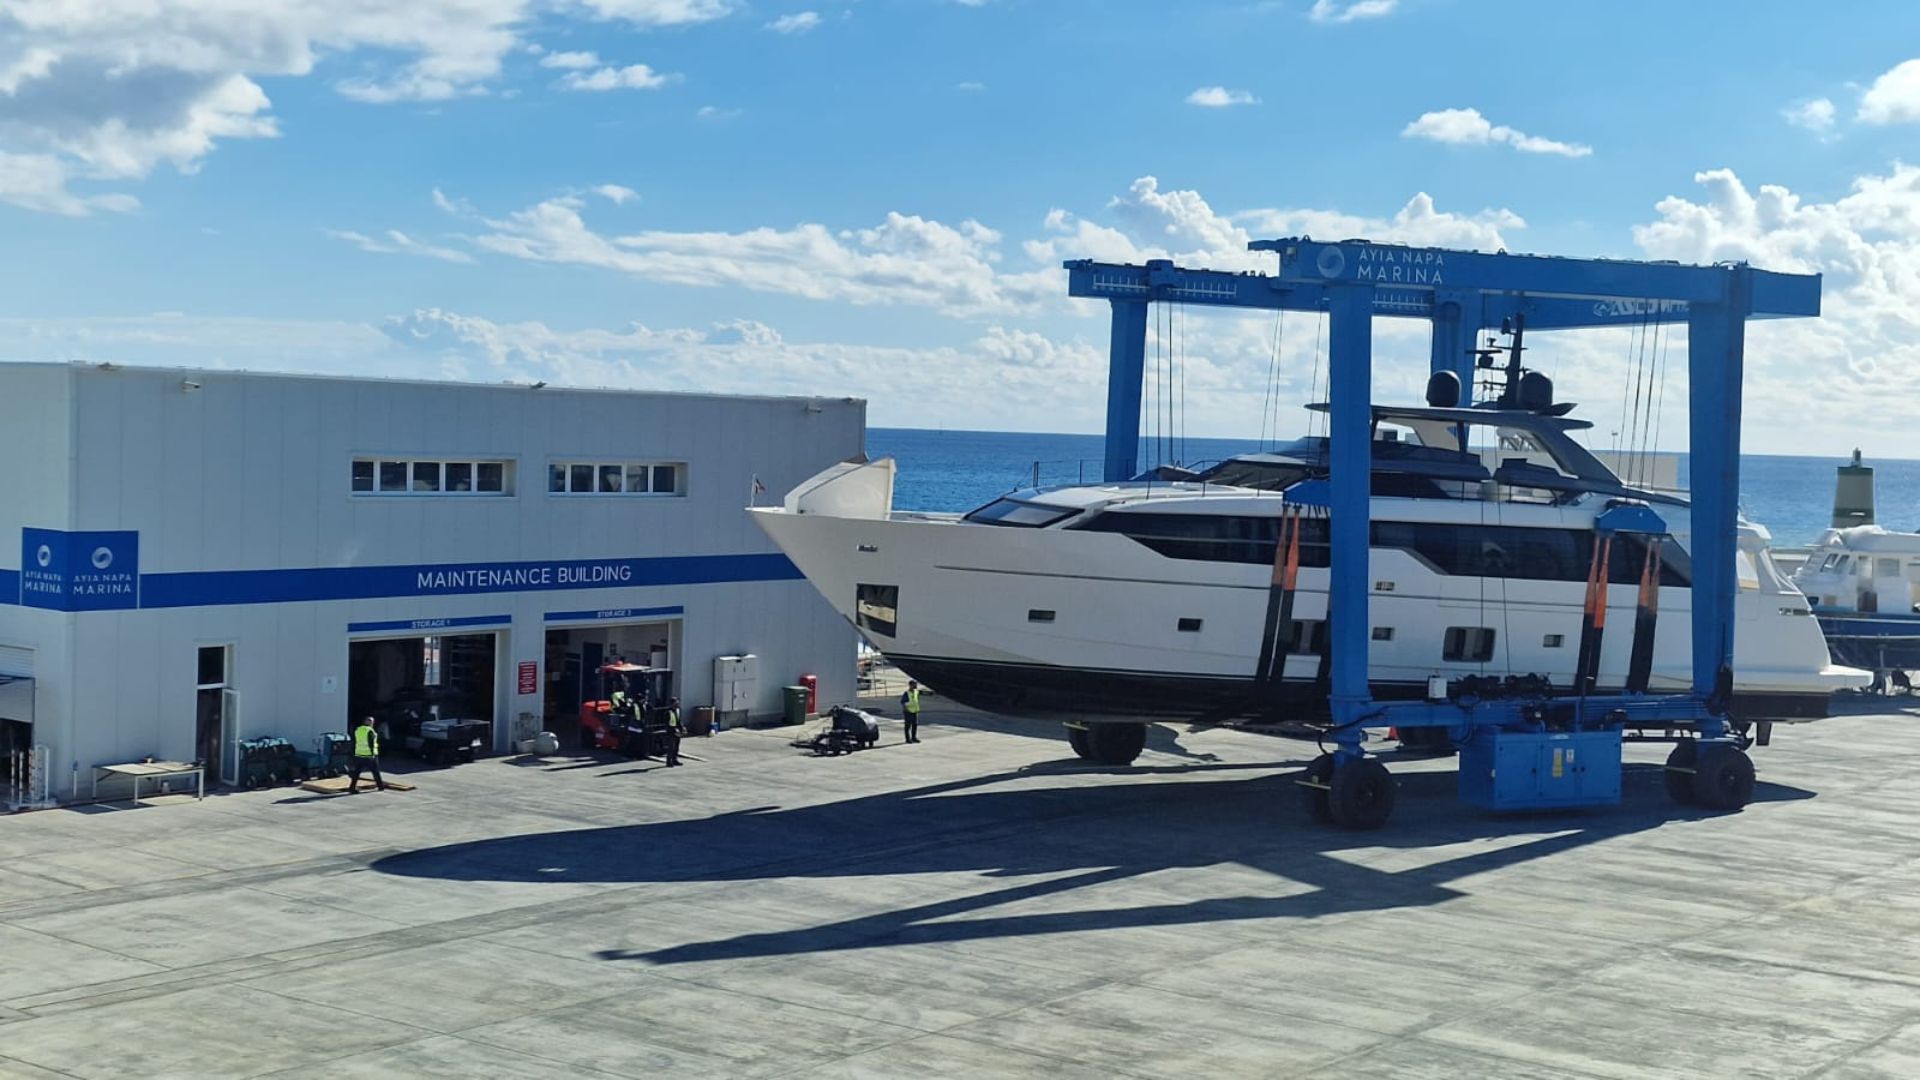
pixel 959 470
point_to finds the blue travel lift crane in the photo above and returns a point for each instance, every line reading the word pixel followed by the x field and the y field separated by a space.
pixel 1529 750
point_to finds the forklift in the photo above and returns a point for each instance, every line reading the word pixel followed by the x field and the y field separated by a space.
pixel 632 717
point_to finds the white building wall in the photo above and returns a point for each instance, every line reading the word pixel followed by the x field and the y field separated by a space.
pixel 250 472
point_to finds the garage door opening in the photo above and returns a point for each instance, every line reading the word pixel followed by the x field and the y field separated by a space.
pixel 408 683
pixel 576 654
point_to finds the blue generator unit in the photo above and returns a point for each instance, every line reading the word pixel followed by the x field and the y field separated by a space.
pixel 1540 770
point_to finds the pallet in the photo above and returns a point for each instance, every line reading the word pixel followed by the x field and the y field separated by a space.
pixel 337 785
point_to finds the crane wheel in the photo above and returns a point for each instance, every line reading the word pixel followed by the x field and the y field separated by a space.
pixel 1362 795
pixel 1723 778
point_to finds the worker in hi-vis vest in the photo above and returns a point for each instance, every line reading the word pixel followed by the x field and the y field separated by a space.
pixel 910 708
pixel 366 755
pixel 673 731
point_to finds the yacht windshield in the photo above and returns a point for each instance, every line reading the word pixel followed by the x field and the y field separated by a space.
pixel 1020 515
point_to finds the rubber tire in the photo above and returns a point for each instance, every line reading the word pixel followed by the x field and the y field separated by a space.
pixel 1116 744
pixel 1082 746
pixel 1680 771
pixel 1362 795
pixel 1723 779
pixel 1319 771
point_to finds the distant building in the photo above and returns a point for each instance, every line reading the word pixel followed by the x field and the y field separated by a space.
pixel 207 556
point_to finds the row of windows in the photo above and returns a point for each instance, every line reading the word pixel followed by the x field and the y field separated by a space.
pixel 390 476
pixel 1497 551
pixel 412 476
pixel 613 478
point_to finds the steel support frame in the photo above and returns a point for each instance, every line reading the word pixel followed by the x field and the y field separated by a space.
pixel 1463 293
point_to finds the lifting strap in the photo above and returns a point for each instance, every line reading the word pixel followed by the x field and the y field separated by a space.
pixel 1646 613
pixel 1593 619
pixel 1272 666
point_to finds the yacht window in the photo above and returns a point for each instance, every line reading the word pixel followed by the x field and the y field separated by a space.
pixel 1019 514
pixel 1743 566
pixel 1886 567
pixel 1553 641
pixel 1189 626
pixel 1039 615
pixel 1234 538
pixel 1467 644
pixel 1845 565
pixel 1306 637
pixel 1829 561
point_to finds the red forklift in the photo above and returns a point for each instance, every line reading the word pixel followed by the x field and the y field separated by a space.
pixel 631 717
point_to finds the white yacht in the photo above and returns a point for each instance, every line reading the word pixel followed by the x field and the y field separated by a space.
pixel 1864 583
pixel 1109 606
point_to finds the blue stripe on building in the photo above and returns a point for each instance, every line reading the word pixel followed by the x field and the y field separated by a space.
pixel 608 614
pixel 216 587
pixel 428 624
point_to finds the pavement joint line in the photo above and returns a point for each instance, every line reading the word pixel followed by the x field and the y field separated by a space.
pixel 43 1068
pixel 185 886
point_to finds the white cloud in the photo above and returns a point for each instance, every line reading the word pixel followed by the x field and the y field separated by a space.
pixel 970 86
pixel 571 61
pixel 1418 222
pixel 631 77
pixel 112 89
pixel 395 242
pixel 1333 11
pixel 1219 97
pixel 936 385
pixel 798 22
pixel 1816 116
pixel 1894 97
pixel 1863 353
pixel 449 205
pixel 615 193
pixel 1466 127
pixel 650 13
pixel 715 112
pixel 39 182
pixel 904 260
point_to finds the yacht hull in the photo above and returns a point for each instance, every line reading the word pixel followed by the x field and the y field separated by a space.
pixel 1061 624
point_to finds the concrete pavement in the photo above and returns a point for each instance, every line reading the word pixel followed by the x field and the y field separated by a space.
pixel 980 904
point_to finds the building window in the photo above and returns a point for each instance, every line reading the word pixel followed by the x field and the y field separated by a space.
pixel 614 478
pixel 1552 641
pixel 1467 644
pixel 429 476
pixel 1039 615
pixel 1383 633
pixel 1189 626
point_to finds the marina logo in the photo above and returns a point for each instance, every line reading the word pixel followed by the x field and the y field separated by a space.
pixel 1332 262
pixel 80 571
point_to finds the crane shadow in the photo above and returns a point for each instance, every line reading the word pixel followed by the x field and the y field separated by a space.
pixel 1050 830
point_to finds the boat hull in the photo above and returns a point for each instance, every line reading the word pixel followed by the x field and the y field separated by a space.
pixel 1087 626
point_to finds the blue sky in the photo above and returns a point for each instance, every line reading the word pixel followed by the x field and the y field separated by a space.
pixel 696 194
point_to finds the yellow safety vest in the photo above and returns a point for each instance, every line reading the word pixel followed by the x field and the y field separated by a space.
pixel 673 719
pixel 913 700
pixel 366 742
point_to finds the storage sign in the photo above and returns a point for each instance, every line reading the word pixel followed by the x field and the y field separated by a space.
pixel 79 571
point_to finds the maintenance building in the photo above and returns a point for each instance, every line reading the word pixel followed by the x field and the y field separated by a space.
pixel 210 556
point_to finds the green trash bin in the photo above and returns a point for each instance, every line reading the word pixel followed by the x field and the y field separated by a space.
pixel 795 698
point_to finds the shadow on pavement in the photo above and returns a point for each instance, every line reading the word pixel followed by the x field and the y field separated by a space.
pixel 1049 839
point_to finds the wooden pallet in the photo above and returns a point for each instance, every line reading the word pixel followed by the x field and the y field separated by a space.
pixel 337 785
